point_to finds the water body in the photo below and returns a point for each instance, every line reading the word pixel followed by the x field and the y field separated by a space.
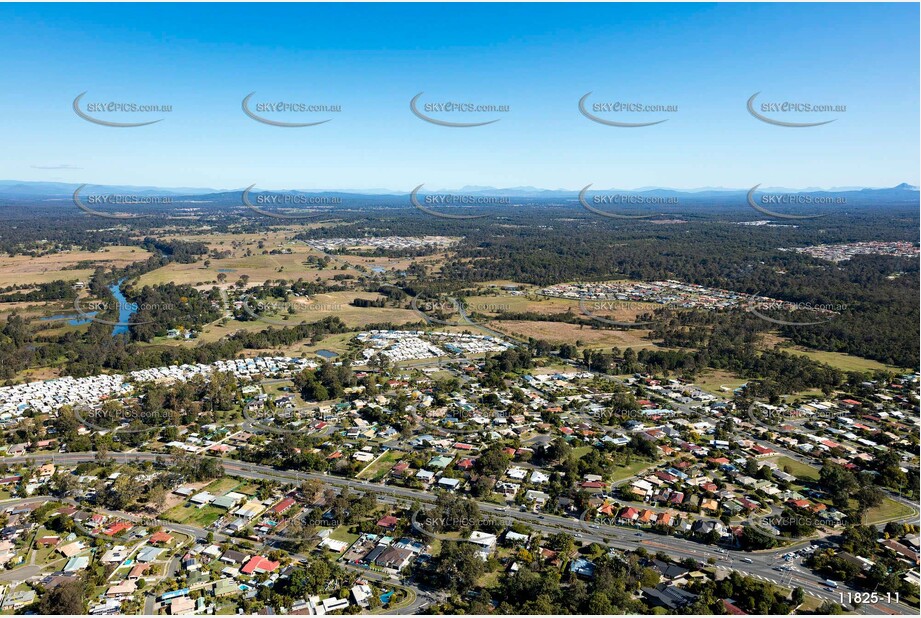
pixel 125 309
pixel 75 319
pixel 327 354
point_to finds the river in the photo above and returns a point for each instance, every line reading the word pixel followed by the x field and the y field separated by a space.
pixel 125 309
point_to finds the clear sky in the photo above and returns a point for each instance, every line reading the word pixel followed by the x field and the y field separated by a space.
pixel 538 59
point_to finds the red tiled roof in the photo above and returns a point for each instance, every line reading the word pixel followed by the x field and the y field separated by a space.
pixel 116 528
pixel 283 506
pixel 388 521
pixel 465 464
pixel 259 563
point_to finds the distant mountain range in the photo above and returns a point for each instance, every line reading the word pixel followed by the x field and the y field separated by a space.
pixel 54 191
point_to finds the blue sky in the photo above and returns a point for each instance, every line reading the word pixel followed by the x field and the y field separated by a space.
pixel 537 59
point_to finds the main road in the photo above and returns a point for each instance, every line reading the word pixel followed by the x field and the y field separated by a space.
pixel 760 564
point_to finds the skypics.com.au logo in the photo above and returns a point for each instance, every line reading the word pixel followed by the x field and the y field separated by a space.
pixel 272 112
pixel 600 203
pixel 91 309
pixel 789 199
pixel 430 112
pixel 125 420
pixel 92 111
pixel 769 111
pixel 281 205
pixel 91 204
pixel 783 312
pixel 284 312
pixel 603 112
pixel 603 310
pixel 449 311
pixel 430 201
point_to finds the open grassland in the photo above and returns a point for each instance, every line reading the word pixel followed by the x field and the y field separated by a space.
pixel 276 389
pixel 339 304
pixel 38 309
pixel 380 467
pixel 809 393
pixel 719 382
pixel 258 267
pixel 498 283
pixel 306 310
pixel 334 343
pixel 251 255
pixel 24 270
pixel 221 486
pixel 390 264
pixel 797 469
pixel 887 511
pixel 558 333
pixel 844 362
pixel 342 534
pixel 203 517
pixel 629 471
pixel 501 301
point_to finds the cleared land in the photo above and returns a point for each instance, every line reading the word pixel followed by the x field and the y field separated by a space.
pixel 800 470
pixel 839 360
pixel 203 517
pixel 339 304
pixel 258 267
pixel 887 511
pixel 629 471
pixel 379 468
pixel 557 332
pixel 493 304
pixel 275 255
pixel 719 382
pixel 845 362
pixel 23 269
